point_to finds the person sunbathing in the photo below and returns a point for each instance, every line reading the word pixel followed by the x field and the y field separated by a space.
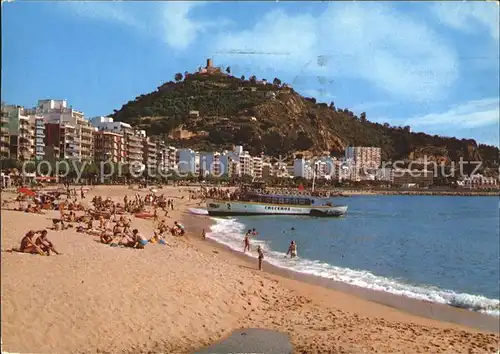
pixel 180 228
pixel 118 228
pixel 103 223
pixel 107 238
pixel 28 244
pixel 44 243
pixel 140 241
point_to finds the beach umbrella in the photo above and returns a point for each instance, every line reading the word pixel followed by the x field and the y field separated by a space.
pixel 26 191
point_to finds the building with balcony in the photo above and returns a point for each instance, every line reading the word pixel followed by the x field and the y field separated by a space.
pixel 257 167
pixel 4 135
pixel 368 158
pixel 167 157
pixel 132 138
pixel 479 181
pixel 58 112
pixel 109 146
pixel 16 126
pixel 38 128
pixel 214 164
pixel 149 152
pixel 301 168
pixel 62 141
pixel 187 161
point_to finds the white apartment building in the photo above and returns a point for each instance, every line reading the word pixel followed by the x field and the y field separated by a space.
pixel 301 168
pixel 479 181
pixel 257 167
pixel 384 174
pixel 365 157
pixel 187 161
pixel 214 164
pixel 246 164
pixel 149 151
pixel 20 132
pixel 38 128
pixel 58 112
pixel 133 151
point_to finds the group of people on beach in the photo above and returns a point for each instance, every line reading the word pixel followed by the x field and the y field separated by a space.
pixel 292 248
pixel 36 242
pixel 114 227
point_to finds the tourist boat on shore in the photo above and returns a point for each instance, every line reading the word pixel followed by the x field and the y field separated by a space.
pixel 260 203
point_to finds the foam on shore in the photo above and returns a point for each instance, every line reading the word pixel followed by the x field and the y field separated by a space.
pixel 230 232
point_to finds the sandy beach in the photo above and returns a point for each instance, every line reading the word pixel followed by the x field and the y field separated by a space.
pixel 180 297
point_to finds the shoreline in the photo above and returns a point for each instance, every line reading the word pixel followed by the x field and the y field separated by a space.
pixel 337 192
pixel 190 293
pixel 420 308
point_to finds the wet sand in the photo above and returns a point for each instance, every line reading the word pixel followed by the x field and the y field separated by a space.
pixel 190 293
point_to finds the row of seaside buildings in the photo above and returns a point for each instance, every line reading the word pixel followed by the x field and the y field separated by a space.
pixel 54 130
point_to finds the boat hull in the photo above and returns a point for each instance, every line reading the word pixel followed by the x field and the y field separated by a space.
pixel 236 208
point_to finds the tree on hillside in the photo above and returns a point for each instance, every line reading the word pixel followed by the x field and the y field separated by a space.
pixel 242 77
pixel 178 77
pixel 332 105
pixel 253 79
pixel 362 116
pixel 276 82
pixel 228 70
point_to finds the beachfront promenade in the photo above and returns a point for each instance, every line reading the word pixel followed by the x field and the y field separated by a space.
pixel 186 295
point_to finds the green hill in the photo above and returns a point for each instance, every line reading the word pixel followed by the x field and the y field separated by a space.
pixel 275 119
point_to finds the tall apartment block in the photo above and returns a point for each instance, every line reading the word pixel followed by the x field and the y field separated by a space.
pixel 21 135
pixel 149 151
pixel 109 146
pixel 257 167
pixel 132 139
pixel 364 157
pixel 75 137
pixel 4 135
pixel 38 128
pixel 187 161
pixel 61 141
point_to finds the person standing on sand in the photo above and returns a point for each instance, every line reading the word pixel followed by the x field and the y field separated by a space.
pixel 261 256
pixel 203 234
pixel 246 241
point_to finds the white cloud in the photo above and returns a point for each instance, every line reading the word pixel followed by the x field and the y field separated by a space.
pixel 471 17
pixel 386 48
pixel 100 10
pixel 179 29
pixel 171 21
pixel 472 114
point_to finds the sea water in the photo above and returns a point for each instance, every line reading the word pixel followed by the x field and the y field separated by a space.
pixel 443 249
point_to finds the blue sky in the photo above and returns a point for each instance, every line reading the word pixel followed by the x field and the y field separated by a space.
pixel 431 65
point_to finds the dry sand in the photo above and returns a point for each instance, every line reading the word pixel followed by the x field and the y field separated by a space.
pixel 181 297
